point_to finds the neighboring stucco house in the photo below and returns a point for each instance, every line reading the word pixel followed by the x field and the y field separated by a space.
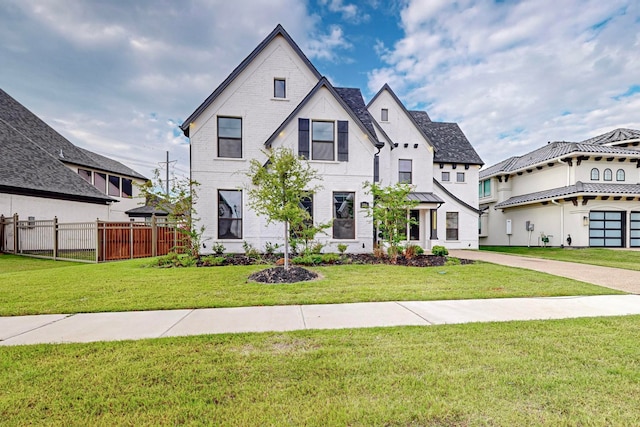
pixel 43 175
pixel 277 98
pixel 584 194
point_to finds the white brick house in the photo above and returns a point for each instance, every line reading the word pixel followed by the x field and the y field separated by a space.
pixel 583 194
pixel 277 98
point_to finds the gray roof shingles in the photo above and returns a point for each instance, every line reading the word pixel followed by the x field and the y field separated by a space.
pixel 616 136
pixel 353 98
pixel 33 156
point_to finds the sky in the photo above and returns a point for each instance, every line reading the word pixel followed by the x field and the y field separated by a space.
pixel 118 77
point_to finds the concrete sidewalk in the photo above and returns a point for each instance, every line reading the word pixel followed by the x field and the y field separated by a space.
pixel 155 324
pixel 613 278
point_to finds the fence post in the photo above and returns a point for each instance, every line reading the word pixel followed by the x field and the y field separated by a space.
pixel 55 237
pixel 15 234
pixel 2 226
pixel 97 241
pixel 154 235
pixel 130 240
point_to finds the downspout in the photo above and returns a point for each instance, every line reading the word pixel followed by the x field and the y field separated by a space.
pixel 555 202
pixel 376 160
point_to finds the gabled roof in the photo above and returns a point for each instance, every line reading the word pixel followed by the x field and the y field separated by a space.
pixel 402 107
pixel 44 136
pixel 616 136
pixel 27 169
pixel 578 189
pixel 452 146
pixel 368 130
pixel 278 31
pixel 353 98
pixel 454 197
pixel 553 151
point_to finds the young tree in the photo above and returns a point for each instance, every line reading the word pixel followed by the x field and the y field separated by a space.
pixel 178 203
pixel 390 213
pixel 279 187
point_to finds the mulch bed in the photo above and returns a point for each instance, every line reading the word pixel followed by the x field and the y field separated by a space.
pixel 280 275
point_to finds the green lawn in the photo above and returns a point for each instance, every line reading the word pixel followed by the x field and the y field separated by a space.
pixel 575 372
pixel 629 260
pixel 129 285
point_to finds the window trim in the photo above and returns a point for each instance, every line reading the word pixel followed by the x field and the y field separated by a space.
pixel 595 174
pixel 448 175
pixel 450 230
pixel 607 175
pixel 230 219
pixel 238 139
pixel 339 221
pixel 384 114
pixel 86 174
pixel 409 172
pixel 275 88
pixel 620 173
pixel 110 183
pixel 458 175
pixel 321 141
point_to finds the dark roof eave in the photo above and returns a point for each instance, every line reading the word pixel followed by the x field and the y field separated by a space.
pixel 456 198
pixel 57 196
pixel 279 30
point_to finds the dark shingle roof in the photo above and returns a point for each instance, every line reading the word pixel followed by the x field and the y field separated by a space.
pixel 616 136
pixel 45 137
pixel 353 98
pixel 451 145
pixel 422 197
pixel 27 169
pixel 579 188
pixel 553 151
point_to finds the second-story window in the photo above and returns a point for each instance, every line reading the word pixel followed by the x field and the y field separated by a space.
pixel 460 177
pixel 86 175
pixel 607 175
pixel 114 185
pixel 595 174
pixel 620 175
pixel 384 115
pixel 322 141
pixel 279 88
pixel 485 188
pixel 445 177
pixel 230 137
pixel 404 171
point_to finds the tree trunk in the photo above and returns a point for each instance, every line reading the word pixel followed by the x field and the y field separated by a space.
pixel 286 245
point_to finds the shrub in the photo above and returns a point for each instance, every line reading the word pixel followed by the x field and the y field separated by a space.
pixel 309 259
pixel 270 248
pixel 218 248
pixel 213 260
pixel 452 261
pixel 250 251
pixel 378 252
pixel 330 258
pixel 412 250
pixel 342 248
pixel 172 259
pixel 439 250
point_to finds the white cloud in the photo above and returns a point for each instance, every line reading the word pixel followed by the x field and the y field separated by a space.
pixel 325 46
pixel 517 74
pixel 350 12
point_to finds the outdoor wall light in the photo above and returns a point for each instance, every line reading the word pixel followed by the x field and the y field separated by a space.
pixel 585 220
pixel 406 144
pixel 364 205
pixel 415 145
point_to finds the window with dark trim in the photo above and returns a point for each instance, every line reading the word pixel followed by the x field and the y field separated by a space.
pixel 607 175
pixel 114 185
pixel 484 189
pixel 229 214
pixel 100 182
pixel 322 141
pixel 86 175
pixel 127 188
pixel 384 115
pixel 620 175
pixel 306 203
pixel 279 88
pixel 230 137
pixel 405 168
pixel 344 223
pixel 452 225
pixel 460 177
pixel 595 174
pixel 445 177
pixel 414 227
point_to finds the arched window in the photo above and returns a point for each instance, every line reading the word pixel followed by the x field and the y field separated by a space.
pixel 595 174
pixel 607 175
pixel 620 175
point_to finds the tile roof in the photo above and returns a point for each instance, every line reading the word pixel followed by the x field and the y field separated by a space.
pixel 554 151
pixel 616 136
pixel 579 188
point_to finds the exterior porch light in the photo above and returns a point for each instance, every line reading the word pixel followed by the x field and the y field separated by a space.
pixel 364 205
pixel 585 220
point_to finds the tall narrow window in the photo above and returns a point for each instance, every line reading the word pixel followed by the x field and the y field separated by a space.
pixel 344 224
pixel 230 137
pixel 322 141
pixel 229 214
pixel 414 227
pixel 607 175
pixel 85 174
pixel 101 182
pixel 595 174
pixel 452 225
pixel 384 115
pixel 127 188
pixel 460 177
pixel 279 88
pixel 405 171
pixel 620 175
pixel 114 185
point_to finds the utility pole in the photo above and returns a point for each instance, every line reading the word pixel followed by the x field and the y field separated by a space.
pixel 167 173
